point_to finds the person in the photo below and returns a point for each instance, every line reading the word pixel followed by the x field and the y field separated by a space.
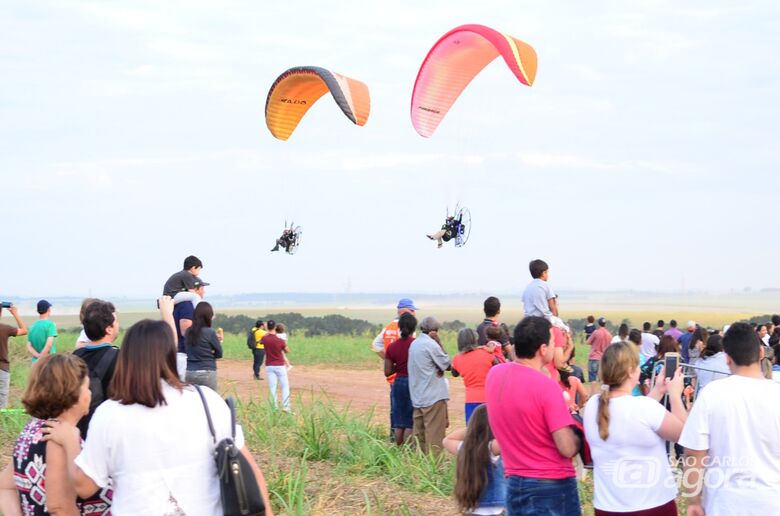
pixel 673 330
pixel 258 352
pixel 480 487
pixel 427 386
pixel 493 344
pixel 598 342
pixel 101 327
pixel 204 348
pixel 151 441
pixel 590 326
pixel 389 334
pixel 649 346
pixel 473 362
pixel 448 231
pixel 776 363
pixel 7 331
pixel 531 422
pixel 651 368
pixel 281 332
pixel 763 333
pixel 659 329
pixel 275 368
pixel 696 343
pixel 712 364
pixel 539 299
pixel 181 285
pixel 732 453
pixel 574 392
pixel 286 240
pixel 396 363
pixel 183 315
pixel 42 337
pixel 685 341
pixel 628 434
pixel 622 335
pixel 37 481
pixel 492 309
pixel 82 340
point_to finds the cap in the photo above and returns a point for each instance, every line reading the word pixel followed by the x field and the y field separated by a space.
pixel 406 303
pixel 602 320
pixel 691 324
pixel 200 283
pixel 43 306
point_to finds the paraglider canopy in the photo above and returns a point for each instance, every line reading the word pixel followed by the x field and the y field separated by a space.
pixel 297 89
pixel 454 61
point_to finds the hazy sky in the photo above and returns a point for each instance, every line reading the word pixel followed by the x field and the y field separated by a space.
pixel 132 134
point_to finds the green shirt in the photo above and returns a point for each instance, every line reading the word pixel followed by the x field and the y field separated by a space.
pixel 40 333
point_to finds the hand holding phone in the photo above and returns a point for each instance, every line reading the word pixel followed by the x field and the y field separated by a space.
pixel 671 363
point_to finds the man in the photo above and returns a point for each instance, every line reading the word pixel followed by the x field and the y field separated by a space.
pixel 659 329
pixel 673 331
pixel 731 436
pixel 539 300
pixel 7 331
pixel 41 340
pixel 448 231
pixel 530 421
pixel 492 309
pixel 428 387
pixel 387 336
pixel 650 342
pixel 286 240
pixel 685 341
pixel 258 352
pixel 598 342
pixel 102 328
pixel 183 315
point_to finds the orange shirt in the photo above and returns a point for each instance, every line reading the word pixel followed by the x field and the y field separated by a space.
pixel 390 334
pixel 474 366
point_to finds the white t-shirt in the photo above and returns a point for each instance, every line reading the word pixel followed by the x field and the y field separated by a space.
pixel 616 339
pixel 738 420
pixel 649 344
pixel 631 470
pixel 153 454
pixel 83 337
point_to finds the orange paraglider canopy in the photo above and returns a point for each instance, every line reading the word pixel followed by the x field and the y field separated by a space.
pixel 297 89
pixel 454 61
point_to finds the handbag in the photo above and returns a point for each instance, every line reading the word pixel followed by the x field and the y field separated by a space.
pixel 238 487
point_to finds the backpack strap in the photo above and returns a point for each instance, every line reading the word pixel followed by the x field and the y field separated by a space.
pixel 231 403
pixel 208 414
pixel 101 369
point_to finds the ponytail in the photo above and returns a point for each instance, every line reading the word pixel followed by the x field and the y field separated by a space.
pixel 617 363
pixel 603 414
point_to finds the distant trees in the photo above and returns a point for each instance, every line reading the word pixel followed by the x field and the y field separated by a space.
pixel 295 322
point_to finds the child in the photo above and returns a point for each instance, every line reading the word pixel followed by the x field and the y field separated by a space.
pixel 590 327
pixel 179 284
pixel 479 480
pixel 493 345
pixel 574 393
pixel 281 332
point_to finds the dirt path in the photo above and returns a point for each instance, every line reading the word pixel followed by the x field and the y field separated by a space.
pixel 361 389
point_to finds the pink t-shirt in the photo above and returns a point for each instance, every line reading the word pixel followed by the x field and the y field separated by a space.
pixel 598 342
pixel 524 408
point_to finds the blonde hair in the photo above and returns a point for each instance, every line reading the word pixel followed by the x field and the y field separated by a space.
pixel 617 363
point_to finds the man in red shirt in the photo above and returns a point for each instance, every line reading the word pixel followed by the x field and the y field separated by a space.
pixel 530 421
pixel 598 342
pixel 275 367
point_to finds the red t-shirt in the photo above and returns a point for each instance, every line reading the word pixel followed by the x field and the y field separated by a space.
pixel 474 367
pixel 560 342
pixel 398 352
pixel 598 342
pixel 524 408
pixel 274 349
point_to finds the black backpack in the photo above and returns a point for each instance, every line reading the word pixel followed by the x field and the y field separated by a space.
pixel 96 376
pixel 251 343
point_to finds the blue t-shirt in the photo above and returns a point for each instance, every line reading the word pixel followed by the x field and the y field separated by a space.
pixel 183 310
pixel 685 343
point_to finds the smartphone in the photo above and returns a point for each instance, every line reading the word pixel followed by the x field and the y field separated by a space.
pixel 158 304
pixel 671 363
pixel 6 304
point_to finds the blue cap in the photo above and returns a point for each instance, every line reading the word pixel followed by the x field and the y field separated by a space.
pixel 406 303
pixel 43 306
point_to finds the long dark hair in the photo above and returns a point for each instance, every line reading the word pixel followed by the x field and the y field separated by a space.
pixel 147 355
pixel 407 323
pixel 471 476
pixel 202 319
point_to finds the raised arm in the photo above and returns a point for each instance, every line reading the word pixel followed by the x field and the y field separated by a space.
pixel 22 330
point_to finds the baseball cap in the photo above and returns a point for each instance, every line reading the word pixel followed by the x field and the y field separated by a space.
pixel 200 283
pixel 43 306
pixel 602 320
pixel 406 303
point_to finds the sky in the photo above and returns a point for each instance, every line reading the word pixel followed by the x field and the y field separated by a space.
pixel 132 134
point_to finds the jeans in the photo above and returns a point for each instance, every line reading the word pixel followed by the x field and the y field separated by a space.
pixel 207 378
pixel 5 383
pixel 542 497
pixel 593 370
pixel 278 374
pixel 258 355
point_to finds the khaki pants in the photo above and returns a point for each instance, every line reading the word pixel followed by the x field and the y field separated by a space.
pixel 430 424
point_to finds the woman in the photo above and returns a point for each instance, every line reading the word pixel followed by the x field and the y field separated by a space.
pixel 37 483
pixel 574 391
pixel 151 440
pixel 622 335
pixel 763 334
pixel 712 363
pixel 697 344
pixel 203 348
pixel 667 344
pixel 628 433
pixel 473 363
pixel 396 360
